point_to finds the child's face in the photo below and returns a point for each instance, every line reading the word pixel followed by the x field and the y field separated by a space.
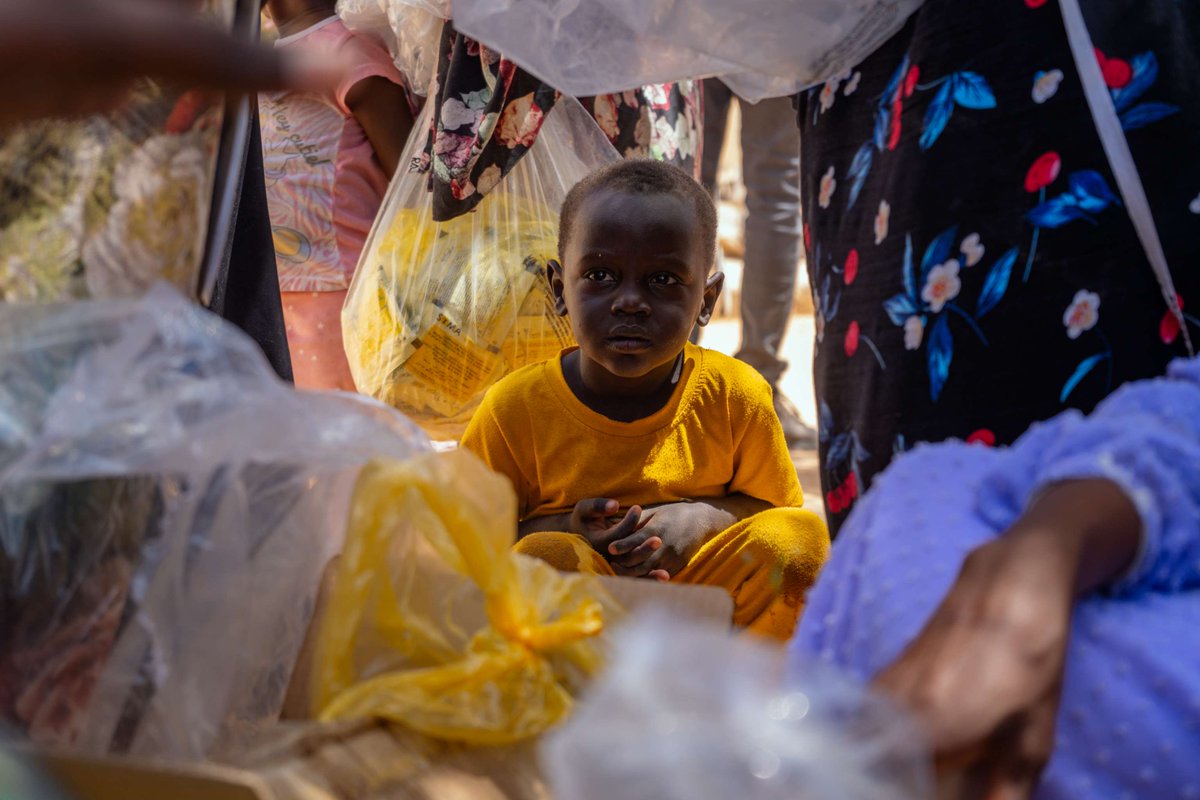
pixel 635 280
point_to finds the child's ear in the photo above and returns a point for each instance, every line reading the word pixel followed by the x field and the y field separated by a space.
pixel 712 290
pixel 554 274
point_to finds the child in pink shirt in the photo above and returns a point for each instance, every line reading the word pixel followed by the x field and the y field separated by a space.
pixel 328 159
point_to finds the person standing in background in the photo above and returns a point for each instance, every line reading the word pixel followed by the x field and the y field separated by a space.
pixel 328 159
pixel 771 172
pixel 973 261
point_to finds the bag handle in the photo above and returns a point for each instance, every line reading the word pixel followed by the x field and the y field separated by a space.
pixel 1120 159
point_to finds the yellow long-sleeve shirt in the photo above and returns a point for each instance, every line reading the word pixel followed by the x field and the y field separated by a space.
pixel 717 435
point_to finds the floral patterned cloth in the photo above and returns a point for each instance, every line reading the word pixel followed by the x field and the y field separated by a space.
pixel 488 112
pixel 973 267
pixel 662 121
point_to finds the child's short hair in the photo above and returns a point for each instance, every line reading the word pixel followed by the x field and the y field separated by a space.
pixel 641 176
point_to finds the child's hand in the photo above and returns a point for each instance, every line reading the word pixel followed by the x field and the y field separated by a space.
pixel 665 540
pixel 596 520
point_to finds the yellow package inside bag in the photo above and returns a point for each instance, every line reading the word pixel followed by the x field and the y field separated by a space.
pixel 442 310
pixel 434 622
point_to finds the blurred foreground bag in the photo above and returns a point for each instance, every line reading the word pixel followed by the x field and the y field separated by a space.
pixel 166 508
pixel 439 311
pixel 434 622
pixel 733 720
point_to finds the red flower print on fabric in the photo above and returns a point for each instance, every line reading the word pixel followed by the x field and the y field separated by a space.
pixel 1043 172
pixel 1117 72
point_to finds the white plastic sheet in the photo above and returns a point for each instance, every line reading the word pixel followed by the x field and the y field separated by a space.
pixel 691 712
pixel 167 505
pixel 761 48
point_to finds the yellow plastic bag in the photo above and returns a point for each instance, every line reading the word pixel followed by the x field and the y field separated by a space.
pixel 435 623
pixel 439 311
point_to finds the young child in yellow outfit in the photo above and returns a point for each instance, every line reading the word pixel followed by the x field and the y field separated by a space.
pixel 638 453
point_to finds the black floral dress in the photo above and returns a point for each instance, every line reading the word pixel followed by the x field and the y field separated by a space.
pixel 488 113
pixel 973 266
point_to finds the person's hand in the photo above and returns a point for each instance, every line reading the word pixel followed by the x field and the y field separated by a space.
pixel 78 57
pixel 985 674
pixel 666 539
pixel 597 520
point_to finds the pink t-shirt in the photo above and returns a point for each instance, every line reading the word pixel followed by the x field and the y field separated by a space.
pixel 324 183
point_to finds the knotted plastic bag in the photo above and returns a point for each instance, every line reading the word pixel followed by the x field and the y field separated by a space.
pixel 167 505
pixel 686 711
pixel 435 623
pixel 767 48
pixel 439 311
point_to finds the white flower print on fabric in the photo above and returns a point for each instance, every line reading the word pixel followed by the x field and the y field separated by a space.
pixel 1045 85
pixel 942 285
pixel 972 249
pixel 1083 313
pixel 456 114
pixel 882 219
pixel 829 93
pixel 828 185
pixel 914 333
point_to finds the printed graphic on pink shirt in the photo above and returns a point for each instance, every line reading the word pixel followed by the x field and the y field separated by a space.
pixel 300 135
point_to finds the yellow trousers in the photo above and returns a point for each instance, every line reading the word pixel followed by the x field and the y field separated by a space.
pixel 766 562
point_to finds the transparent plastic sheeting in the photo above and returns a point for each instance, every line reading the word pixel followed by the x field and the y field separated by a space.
pixel 688 711
pixel 439 311
pixel 410 29
pixel 167 505
pixel 760 48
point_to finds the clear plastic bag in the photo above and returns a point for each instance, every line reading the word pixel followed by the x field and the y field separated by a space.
pixel 689 712
pixel 439 311
pixel 107 205
pixel 166 507
pixel 767 48
pixel 434 622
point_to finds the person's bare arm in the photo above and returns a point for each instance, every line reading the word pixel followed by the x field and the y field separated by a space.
pixel 986 671
pixel 77 57
pixel 381 108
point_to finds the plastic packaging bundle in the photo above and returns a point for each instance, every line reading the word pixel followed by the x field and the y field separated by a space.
pixel 108 205
pixel 439 311
pixel 166 508
pixel 767 48
pixel 688 712
pixel 410 29
pixel 434 622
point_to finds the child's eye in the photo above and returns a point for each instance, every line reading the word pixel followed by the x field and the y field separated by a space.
pixel 600 275
pixel 663 279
